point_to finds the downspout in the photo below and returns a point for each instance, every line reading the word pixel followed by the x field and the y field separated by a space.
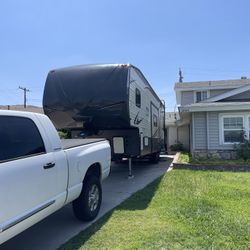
pixel 193 136
pixel 207 120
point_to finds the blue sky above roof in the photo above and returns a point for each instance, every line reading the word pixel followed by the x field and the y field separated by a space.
pixel 209 40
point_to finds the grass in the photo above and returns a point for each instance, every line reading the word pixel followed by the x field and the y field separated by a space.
pixel 186 158
pixel 183 210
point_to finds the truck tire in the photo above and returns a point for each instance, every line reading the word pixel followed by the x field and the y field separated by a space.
pixel 87 205
pixel 155 157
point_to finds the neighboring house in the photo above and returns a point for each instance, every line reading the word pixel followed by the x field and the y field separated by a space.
pixel 171 128
pixel 176 134
pixel 216 113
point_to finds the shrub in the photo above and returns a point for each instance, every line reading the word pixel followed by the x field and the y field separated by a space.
pixel 243 148
pixel 177 147
pixel 184 158
pixel 63 134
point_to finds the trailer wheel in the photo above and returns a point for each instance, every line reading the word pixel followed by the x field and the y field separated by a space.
pixel 155 157
pixel 87 205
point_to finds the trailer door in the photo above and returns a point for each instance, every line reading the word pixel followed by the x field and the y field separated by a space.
pixel 155 129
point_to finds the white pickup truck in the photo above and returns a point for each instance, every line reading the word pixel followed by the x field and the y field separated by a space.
pixel 39 173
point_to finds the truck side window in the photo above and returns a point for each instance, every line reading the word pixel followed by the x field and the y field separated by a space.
pixel 137 98
pixel 19 137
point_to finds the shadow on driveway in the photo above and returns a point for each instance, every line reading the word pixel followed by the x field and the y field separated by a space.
pixel 138 201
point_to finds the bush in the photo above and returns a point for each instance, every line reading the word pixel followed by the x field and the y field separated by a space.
pixel 243 150
pixel 184 158
pixel 177 147
pixel 63 134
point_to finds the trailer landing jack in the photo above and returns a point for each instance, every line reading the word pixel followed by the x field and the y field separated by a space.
pixel 130 176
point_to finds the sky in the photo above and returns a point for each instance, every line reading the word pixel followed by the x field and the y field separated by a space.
pixel 208 40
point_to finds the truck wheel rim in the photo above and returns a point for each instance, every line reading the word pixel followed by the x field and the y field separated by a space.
pixel 93 198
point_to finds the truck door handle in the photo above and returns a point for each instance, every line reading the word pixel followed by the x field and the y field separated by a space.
pixel 49 165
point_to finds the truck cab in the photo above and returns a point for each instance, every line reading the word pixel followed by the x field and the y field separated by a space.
pixel 39 173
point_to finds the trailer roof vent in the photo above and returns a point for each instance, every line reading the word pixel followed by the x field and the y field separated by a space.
pixel 243 77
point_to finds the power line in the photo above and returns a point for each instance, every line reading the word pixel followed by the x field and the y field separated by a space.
pixel 35 99
pixel 217 70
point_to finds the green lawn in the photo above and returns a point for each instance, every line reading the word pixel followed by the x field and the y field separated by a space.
pixel 186 158
pixel 184 209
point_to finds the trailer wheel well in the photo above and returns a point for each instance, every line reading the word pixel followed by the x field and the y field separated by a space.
pixel 94 169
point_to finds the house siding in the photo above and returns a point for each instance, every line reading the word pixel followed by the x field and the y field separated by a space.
pixel 213 125
pixel 187 97
pixel 171 136
pixel 214 133
pixel 243 96
pixel 215 92
pixel 183 136
pixel 200 130
pixel 207 137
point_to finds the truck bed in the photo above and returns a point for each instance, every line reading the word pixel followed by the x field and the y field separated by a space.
pixel 71 143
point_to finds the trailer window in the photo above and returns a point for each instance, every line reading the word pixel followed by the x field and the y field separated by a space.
pixel 19 137
pixel 137 98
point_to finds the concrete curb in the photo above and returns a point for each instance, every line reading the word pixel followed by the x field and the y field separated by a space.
pixel 214 167
pixel 175 160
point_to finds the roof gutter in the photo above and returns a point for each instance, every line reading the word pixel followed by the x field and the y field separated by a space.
pixel 220 107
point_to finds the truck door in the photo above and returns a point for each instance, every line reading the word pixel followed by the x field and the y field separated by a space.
pixel 155 129
pixel 27 172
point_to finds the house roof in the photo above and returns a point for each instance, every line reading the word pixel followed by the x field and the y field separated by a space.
pixel 215 106
pixel 228 94
pixel 220 84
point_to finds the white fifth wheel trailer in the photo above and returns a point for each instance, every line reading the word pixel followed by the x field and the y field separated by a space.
pixel 113 101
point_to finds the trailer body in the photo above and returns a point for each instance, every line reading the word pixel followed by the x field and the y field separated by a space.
pixel 112 101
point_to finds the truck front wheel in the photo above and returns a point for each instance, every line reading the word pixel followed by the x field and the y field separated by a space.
pixel 87 205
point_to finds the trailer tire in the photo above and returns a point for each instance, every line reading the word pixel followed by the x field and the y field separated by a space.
pixel 86 207
pixel 155 157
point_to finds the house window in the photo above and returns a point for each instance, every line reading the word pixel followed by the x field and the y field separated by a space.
pixel 137 98
pixel 201 95
pixel 155 121
pixel 233 131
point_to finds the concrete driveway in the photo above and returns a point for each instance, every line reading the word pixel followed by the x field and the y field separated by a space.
pixel 62 225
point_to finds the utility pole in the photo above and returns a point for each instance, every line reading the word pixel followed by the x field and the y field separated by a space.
pixel 180 75
pixel 25 90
